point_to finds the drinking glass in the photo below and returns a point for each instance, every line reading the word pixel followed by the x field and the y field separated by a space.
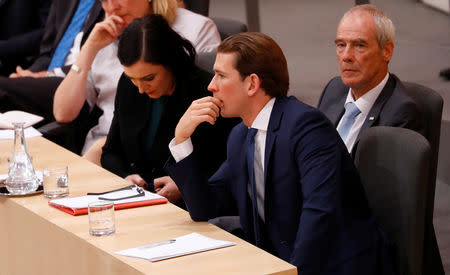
pixel 101 218
pixel 56 181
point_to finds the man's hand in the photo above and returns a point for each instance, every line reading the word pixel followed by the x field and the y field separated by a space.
pixel 201 110
pixel 136 179
pixel 167 188
pixel 27 73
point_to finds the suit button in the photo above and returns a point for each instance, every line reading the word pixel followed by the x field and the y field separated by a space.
pixel 132 165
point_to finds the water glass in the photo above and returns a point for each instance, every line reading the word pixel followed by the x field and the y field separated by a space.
pixel 101 218
pixel 56 182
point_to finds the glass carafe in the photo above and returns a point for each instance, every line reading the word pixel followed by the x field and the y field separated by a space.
pixel 21 177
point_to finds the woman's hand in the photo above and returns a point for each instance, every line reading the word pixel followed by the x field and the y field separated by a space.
pixel 201 110
pixel 105 32
pixel 136 179
pixel 167 188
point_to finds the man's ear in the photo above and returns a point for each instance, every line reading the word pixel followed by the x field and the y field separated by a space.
pixel 254 84
pixel 388 51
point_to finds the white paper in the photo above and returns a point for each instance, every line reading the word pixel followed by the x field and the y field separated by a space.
pixel 184 245
pixel 83 201
pixel 28 132
pixel 6 119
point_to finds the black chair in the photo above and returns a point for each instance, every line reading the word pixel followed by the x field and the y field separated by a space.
pixel 431 104
pixel 226 27
pixel 394 168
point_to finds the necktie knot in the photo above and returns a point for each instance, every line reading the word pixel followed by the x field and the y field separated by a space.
pixel 251 134
pixel 352 110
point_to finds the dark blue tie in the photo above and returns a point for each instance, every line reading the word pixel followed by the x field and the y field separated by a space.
pixel 72 30
pixel 251 177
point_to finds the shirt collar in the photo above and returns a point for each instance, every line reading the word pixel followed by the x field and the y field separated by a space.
pixel 261 121
pixel 366 101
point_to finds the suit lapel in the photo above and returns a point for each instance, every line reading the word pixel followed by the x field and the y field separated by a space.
pixel 272 133
pixel 336 110
pixel 67 19
pixel 374 113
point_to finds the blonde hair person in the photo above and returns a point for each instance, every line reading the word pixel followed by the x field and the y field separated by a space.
pixel 181 4
pixel 166 8
pixel 93 79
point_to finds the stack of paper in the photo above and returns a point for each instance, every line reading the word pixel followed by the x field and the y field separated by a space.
pixel 7 119
pixel 184 245
pixel 78 205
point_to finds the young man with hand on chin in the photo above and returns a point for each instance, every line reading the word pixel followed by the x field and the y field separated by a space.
pixel 288 175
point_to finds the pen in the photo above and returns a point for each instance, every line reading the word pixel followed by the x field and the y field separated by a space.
pixel 150 245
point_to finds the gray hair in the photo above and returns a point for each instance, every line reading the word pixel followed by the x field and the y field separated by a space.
pixel 384 27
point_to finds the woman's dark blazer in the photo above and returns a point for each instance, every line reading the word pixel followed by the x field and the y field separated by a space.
pixel 123 153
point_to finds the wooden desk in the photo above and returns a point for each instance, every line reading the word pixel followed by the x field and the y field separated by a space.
pixel 38 239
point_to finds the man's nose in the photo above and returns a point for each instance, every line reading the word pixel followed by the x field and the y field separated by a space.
pixel 348 54
pixel 212 85
pixel 110 6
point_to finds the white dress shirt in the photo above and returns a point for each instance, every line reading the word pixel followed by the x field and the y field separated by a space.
pixel 261 122
pixel 364 104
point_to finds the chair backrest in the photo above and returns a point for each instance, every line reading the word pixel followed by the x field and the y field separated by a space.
pixel 431 104
pixel 198 6
pixel 394 168
pixel 228 27
pixel 206 61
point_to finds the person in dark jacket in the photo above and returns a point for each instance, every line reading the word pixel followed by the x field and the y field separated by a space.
pixel 22 25
pixel 159 83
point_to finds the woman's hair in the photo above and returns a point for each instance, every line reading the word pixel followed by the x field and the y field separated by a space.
pixel 167 8
pixel 152 40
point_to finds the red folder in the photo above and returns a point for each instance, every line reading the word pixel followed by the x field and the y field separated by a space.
pixel 83 211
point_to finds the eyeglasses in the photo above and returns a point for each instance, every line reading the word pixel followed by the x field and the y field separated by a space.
pixel 140 193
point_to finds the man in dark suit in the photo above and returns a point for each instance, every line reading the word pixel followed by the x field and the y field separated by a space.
pixel 22 25
pixel 288 177
pixel 364 47
pixel 32 90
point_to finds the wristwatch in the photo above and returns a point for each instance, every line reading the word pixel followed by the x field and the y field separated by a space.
pixel 50 73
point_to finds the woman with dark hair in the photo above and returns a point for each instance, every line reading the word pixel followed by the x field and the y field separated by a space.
pixel 159 83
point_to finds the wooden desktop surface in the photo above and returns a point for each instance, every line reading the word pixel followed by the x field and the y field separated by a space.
pixel 38 239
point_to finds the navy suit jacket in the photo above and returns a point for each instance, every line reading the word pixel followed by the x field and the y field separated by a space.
pixel 316 212
pixel 393 107
pixel 21 26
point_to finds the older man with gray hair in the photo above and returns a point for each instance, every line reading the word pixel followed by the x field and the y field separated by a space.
pixel 366 94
